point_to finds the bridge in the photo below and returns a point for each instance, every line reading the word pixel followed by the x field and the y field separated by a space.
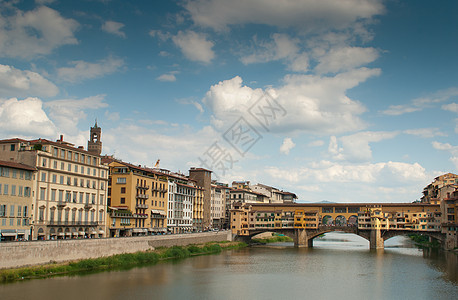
pixel 376 222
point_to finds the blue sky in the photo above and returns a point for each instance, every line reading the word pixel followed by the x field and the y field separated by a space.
pixel 363 93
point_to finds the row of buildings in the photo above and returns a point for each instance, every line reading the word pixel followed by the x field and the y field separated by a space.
pixel 56 190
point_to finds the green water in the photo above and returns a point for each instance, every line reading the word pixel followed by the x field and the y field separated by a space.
pixel 339 266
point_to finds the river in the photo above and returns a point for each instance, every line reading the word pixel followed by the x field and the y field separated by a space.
pixel 339 266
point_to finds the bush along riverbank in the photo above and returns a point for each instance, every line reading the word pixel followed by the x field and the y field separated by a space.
pixel 115 262
pixel 274 239
pixel 423 241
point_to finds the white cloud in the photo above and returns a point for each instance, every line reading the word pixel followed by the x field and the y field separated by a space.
pixel 36 32
pixel 112 116
pixel 164 144
pixel 453 107
pixel 24 118
pixel 287 145
pixel 422 103
pixel 314 104
pixel 19 83
pixel 425 132
pixel 305 15
pixel 194 46
pixel 453 150
pixel 355 147
pixel 82 70
pixel 67 113
pixel 113 27
pixel 345 58
pixel 281 48
pixel 167 77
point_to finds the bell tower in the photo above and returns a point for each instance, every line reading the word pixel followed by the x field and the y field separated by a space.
pixel 94 145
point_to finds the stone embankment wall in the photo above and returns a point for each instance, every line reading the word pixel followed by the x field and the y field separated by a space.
pixel 18 254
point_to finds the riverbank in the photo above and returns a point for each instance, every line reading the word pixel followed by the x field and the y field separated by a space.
pixel 116 262
pixel 25 254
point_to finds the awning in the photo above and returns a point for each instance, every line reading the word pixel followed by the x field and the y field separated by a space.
pixel 158 212
pixel 68 233
pixel 8 233
pixel 150 229
pixel 145 230
pixel 81 233
pixel 75 233
pixel 137 230
pixel 101 232
pixel 93 232
pixel 60 234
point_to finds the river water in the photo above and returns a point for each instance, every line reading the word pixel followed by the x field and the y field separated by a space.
pixel 339 266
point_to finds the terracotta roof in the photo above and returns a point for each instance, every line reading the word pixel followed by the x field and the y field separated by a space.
pixel 16 165
pixel 13 140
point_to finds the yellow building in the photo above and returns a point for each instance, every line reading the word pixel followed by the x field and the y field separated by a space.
pixel 198 209
pixel 15 201
pixel 137 200
pixel 69 189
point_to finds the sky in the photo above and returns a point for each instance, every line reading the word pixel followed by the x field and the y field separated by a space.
pixel 343 101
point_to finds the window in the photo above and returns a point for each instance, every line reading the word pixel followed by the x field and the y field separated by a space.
pixel 102 186
pixel 123 190
pixel 62 153
pixel 82 170
pixel 68 196
pixel 69 167
pixel 121 180
pixel 87 197
pixel 61 179
pixel 102 174
pixel 75 181
pixel 88 171
pixel 54 152
pixel 13 190
pixel 43 162
pixel 93 172
pixel 62 165
pixel 19 210
pixel 69 155
pixel 5 172
pixel 76 168
pixel 21 174
pixel 11 210
pixel 41 213
pixel 42 193
pixel 61 195
pixel 101 199
pixel 54 178
pixel 27 191
pixel 93 198
pixel 81 197
pixel 21 190
pixel 14 175
pixel 55 164
pixel 93 185
pixel 53 195
pixel 123 200
pixel 2 210
pixel 5 189
pixel 69 180
pixel 13 147
pixel 43 176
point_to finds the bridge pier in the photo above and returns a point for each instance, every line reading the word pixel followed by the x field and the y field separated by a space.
pixel 376 239
pixel 301 239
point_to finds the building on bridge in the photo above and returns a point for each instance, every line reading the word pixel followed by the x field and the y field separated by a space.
pixel 431 193
pixel 376 222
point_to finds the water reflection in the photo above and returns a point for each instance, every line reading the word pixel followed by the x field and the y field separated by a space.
pixel 339 266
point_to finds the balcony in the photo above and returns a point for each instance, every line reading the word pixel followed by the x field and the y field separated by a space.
pixel 142 187
pixel 140 216
pixel 61 204
pixel 142 196
pixel 142 206
pixel 88 205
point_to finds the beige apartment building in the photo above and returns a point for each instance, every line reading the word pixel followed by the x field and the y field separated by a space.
pixel 69 188
pixel 15 200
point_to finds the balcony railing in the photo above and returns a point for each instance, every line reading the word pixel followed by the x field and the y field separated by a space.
pixel 61 204
pixel 140 216
pixel 142 196
pixel 142 206
pixel 72 223
pixel 88 205
pixel 144 187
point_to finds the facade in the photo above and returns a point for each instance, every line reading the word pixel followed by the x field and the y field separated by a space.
pixel 198 209
pixel 182 194
pixel 218 201
pixel 272 194
pixel 16 182
pixel 247 196
pixel 449 210
pixel 69 189
pixel 202 177
pixel 137 200
pixel 431 191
